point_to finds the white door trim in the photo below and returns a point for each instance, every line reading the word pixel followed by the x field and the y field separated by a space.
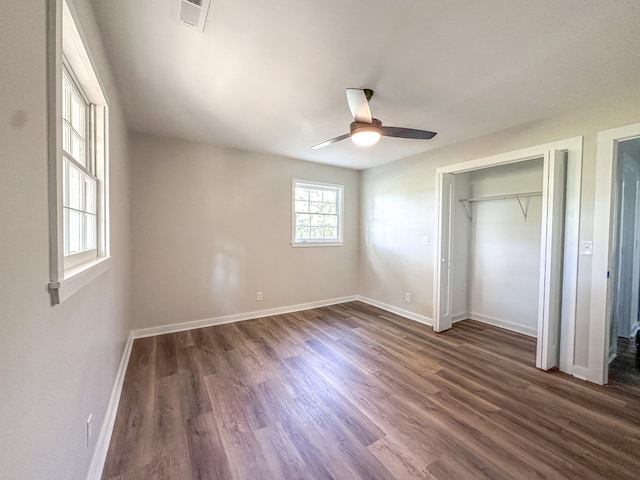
pixel 600 312
pixel 573 147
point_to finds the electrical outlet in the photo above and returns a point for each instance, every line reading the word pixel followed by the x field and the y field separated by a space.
pixel 407 297
pixel 258 296
pixel 89 428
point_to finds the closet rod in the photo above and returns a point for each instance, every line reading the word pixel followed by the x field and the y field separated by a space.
pixel 502 197
pixel 518 196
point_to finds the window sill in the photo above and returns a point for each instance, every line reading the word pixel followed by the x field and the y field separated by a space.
pixel 316 244
pixel 77 278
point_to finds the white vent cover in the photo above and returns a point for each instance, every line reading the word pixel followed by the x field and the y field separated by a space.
pixel 192 13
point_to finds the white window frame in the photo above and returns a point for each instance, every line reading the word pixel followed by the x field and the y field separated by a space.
pixel 68 48
pixel 295 242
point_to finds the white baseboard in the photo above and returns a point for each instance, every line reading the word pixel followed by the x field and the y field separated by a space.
pixel 102 445
pixel 581 373
pixel 208 322
pixel 458 317
pixel 634 329
pixel 398 311
pixel 497 322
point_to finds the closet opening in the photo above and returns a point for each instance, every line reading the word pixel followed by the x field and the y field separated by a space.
pixel 507 246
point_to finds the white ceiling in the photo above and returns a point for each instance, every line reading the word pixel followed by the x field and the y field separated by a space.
pixel 269 76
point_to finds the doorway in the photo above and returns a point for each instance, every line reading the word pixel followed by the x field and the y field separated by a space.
pixel 558 252
pixel 612 197
pixel 624 363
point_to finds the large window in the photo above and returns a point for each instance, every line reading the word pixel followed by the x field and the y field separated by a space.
pixel 78 160
pixel 317 213
pixel 79 180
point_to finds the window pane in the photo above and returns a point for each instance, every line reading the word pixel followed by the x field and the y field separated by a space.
pixel 90 194
pixel 315 207
pixel 331 220
pixel 302 193
pixel 330 232
pixel 329 196
pixel 74 188
pixel 303 220
pixel 302 206
pixel 66 137
pixel 303 233
pixel 65 216
pixel 317 232
pixel 328 207
pixel 77 149
pixel 66 94
pixel 90 231
pixel 75 231
pixel 77 114
pixel 315 195
pixel 317 220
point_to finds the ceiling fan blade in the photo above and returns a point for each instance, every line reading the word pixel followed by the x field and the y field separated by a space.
pixel 359 105
pixel 400 132
pixel 329 142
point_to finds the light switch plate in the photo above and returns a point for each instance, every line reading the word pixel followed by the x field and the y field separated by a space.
pixel 425 241
pixel 586 248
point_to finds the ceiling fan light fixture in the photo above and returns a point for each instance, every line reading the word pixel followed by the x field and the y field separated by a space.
pixel 365 135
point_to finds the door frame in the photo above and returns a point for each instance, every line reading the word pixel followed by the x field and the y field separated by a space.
pixel 603 242
pixel 573 147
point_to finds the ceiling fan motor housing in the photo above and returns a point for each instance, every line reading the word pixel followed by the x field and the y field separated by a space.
pixel 374 126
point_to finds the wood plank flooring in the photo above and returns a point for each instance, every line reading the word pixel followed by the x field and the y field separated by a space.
pixel 624 371
pixel 353 392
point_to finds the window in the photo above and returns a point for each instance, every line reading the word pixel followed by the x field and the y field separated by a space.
pixel 79 198
pixel 317 213
pixel 78 161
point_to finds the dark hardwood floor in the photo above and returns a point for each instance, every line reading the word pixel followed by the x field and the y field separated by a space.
pixel 353 392
pixel 624 371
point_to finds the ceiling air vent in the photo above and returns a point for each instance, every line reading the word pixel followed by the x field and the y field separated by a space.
pixel 192 12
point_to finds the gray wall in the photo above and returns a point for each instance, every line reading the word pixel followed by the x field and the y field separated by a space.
pixel 212 226
pixel 58 363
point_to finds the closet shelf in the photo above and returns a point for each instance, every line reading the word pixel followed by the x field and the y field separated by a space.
pixel 524 207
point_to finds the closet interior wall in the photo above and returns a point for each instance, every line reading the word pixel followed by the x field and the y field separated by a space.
pixel 497 246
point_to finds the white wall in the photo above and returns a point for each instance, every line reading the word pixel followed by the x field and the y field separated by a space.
pixel 503 280
pixel 57 364
pixel 212 226
pixel 397 207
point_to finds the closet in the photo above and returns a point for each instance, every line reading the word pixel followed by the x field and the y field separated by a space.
pixel 496 245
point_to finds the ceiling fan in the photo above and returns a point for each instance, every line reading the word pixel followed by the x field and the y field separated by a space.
pixel 366 130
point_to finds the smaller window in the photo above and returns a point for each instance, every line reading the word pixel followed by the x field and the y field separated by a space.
pixel 317 213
